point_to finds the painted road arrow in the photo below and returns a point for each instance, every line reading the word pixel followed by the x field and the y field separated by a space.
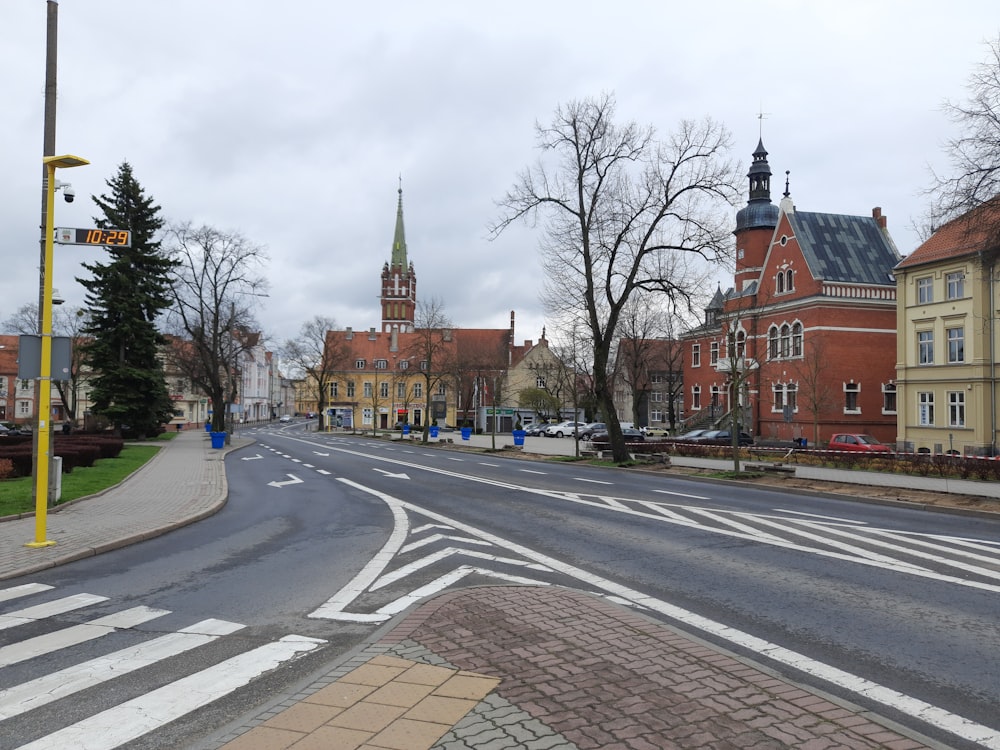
pixel 292 479
pixel 390 474
pixel 252 458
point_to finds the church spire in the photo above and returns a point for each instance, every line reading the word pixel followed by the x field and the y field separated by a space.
pixel 399 238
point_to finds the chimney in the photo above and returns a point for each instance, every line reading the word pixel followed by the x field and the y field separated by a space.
pixel 527 344
pixel 394 342
pixel 349 334
pixel 879 218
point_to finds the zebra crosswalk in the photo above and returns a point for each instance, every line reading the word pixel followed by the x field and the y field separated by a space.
pixel 114 726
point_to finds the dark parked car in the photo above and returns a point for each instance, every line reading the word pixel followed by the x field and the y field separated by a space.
pixel 722 437
pixel 689 435
pixel 589 430
pixel 534 430
pixel 631 435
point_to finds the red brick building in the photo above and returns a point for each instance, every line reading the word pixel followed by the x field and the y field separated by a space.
pixel 804 343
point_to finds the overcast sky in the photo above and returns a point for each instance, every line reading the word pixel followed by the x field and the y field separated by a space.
pixel 292 123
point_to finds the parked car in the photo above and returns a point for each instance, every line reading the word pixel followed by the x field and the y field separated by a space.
pixel 631 435
pixel 655 431
pixel 563 429
pixel 285 418
pixel 722 437
pixel 688 436
pixel 846 441
pixel 591 428
pixel 534 430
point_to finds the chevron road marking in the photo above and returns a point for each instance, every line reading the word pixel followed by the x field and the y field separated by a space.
pixel 132 719
pixel 880 694
pixel 35 693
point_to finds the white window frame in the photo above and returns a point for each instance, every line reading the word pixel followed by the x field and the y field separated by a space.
pixel 695 355
pixel 888 388
pixel 955 338
pixel 713 357
pixel 925 408
pixel 925 347
pixel 956 408
pixel 925 290
pixel 955 285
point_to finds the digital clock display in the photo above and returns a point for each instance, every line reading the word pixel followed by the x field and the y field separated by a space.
pixel 118 237
pixel 106 237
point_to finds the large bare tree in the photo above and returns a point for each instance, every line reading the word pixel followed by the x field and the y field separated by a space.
pixel 317 358
pixel 972 178
pixel 215 290
pixel 616 204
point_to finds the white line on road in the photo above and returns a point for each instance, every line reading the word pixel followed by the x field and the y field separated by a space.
pixel 26 589
pixel 21 698
pixel 116 726
pixel 76 634
pixel 49 609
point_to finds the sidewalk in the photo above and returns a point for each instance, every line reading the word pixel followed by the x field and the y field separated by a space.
pixel 488 668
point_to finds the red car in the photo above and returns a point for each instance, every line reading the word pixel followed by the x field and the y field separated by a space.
pixel 846 441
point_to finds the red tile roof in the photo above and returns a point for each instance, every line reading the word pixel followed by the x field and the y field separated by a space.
pixel 977 230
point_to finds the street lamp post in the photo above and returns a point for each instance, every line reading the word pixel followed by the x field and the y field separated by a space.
pixel 52 163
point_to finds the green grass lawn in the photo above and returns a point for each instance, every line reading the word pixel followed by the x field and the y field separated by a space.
pixel 15 494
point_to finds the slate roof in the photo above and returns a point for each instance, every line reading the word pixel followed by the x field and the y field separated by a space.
pixel 850 249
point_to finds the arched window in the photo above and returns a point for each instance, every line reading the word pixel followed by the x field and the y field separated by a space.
pixel 797 340
pixel 786 336
pixel 789 286
pixel 779 283
pixel 772 342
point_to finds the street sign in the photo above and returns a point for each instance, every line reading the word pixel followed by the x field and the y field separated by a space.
pixel 102 237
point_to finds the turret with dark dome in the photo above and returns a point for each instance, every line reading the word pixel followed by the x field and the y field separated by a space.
pixel 759 211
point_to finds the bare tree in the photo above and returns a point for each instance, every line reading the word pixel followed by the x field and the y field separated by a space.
pixel 214 287
pixel 317 357
pixel 66 321
pixel 433 348
pixel 973 176
pixel 814 392
pixel 617 204
pixel 640 324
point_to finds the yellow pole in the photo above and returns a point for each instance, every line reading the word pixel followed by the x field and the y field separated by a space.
pixel 45 369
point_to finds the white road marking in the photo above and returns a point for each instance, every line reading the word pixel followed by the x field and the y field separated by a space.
pixel 532 471
pixel 818 515
pixel 26 589
pixel 437 538
pixel 682 494
pixel 933 715
pixel 445 553
pixel 592 481
pixel 292 479
pixel 76 634
pixel 21 698
pixel 49 609
pixel 132 719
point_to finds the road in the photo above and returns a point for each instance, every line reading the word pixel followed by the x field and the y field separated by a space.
pixel 326 537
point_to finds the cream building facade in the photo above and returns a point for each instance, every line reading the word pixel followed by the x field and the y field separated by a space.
pixel 947 341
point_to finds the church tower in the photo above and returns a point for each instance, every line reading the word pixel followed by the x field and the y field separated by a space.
pixel 755 222
pixel 399 283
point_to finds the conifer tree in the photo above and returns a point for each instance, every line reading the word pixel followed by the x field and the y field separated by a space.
pixel 125 296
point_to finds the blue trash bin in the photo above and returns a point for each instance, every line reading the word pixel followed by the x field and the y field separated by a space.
pixel 518 437
pixel 434 430
pixel 218 439
pixel 466 433
pixel 406 429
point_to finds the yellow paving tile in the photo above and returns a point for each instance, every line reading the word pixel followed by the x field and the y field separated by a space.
pixel 400 694
pixel 467 685
pixel 385 660
pixel 440 709
pixel 340 694
pixel 372 674
pixel 369 717
pixel 425 674
pixel 304 717
pixel 332 738
pixel 264 738
pixel 407 734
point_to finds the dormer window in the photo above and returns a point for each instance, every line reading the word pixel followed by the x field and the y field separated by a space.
pixel 359 364
pixel 381 364
pixel 783 282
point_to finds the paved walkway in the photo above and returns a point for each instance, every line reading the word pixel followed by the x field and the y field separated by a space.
pixel 540 668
